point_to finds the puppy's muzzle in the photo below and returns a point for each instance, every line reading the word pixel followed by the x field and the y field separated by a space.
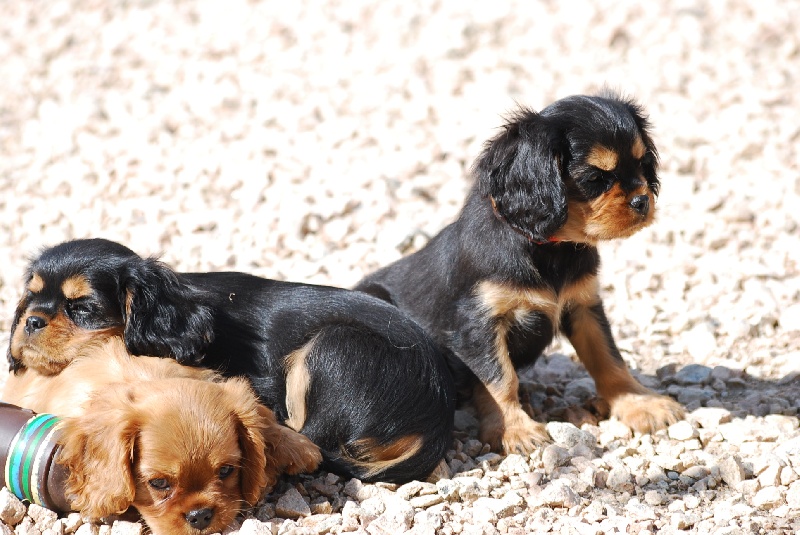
pixel 200 518
pixel 34 323
pixel 640 204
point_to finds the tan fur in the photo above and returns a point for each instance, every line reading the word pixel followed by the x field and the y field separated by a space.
pixel 606 217
pixel 180 423
pixel 510 303
pixel 50 350
pixel 374 457
pixel 297 382
pixel 504 424
pixel 76 287
pixel 602 158
pixel 638 149
pixel 611 216
pixel 636 406
pixel 36 284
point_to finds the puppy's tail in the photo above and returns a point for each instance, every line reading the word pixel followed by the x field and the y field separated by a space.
pixel 367 459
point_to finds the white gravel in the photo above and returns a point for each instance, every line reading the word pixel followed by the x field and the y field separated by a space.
pixel 316 141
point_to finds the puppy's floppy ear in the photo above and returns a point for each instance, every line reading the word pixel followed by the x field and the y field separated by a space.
pixel 15 365
pixel 163 316
pixel 520 170
pixel 98 450
pixel 251 424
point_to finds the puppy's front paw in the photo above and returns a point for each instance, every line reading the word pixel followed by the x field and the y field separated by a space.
pixel 306 462
pixel 514 432
pixel 647 412
pixel 297 453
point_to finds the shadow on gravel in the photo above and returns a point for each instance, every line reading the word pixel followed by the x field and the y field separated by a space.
pixel 557 388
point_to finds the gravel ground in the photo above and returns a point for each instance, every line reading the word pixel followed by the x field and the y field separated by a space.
pixel 316 141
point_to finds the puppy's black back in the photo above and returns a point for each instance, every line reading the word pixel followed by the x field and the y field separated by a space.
pixel 374 374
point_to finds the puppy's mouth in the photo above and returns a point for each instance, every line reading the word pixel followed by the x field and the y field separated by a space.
pixel 32 357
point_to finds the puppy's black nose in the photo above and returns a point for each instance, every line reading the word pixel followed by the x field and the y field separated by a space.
pixel 200 518
pixel 641 203
pixel 35 323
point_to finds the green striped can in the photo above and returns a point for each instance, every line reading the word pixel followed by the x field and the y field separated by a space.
pixel 30 457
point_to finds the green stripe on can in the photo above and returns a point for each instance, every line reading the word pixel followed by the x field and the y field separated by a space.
pixel 23 454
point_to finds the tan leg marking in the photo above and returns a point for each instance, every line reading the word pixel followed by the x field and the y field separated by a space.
pixel 297 382
pixel 504 425
pixel 638 407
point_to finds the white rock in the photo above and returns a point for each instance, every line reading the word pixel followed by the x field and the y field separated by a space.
pixel 44 518
pixel 554 456
pixel 682 430
pixel 558 494
pixel 88 529
pixel 768 497
pixel 710 417
pixel 567 435
pixel 251 526
pixel 699 341
pixel 398 518
pixel 426 500
pixel 790 318
pixel 793 495
pixel 619 479
pixel 121 527
pixel 12 510
pixel 514 464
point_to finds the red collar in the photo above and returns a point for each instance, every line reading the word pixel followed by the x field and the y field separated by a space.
pixel 499 216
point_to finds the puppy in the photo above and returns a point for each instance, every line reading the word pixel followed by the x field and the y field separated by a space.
pixel 520 263
pixel 351 372
pixel 183 447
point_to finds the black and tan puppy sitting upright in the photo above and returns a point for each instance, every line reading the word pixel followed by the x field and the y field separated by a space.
pixel 520 264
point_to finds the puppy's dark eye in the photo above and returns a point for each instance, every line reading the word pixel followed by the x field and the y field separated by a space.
pixel 603 176
pixel 225 471
pixel 159 483
pixel 647 160
pixel 79 309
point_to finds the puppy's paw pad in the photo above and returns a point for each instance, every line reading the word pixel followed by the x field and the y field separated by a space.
pixel 646 413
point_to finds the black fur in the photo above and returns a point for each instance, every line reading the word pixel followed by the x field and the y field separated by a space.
pixel 374 373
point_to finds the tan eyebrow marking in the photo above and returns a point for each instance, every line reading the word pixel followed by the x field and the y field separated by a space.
pixel 76 287
pixel 638 149
pixel 602 157
pixel 36 284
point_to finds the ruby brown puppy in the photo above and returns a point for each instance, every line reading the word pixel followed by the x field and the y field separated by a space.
pixel 187 449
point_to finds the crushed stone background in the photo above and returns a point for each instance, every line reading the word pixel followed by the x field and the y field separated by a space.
pixel 318 140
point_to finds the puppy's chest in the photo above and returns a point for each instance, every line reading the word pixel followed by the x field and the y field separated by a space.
pixel 515 306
